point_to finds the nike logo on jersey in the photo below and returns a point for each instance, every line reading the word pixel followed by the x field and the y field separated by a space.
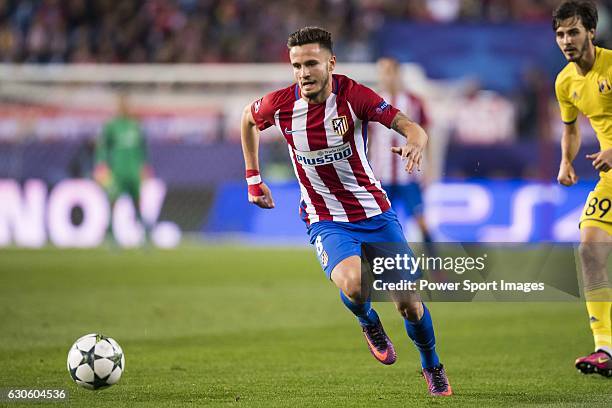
pixel 288 132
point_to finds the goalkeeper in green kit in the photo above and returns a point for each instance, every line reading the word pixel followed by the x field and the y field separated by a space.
pixel 121 157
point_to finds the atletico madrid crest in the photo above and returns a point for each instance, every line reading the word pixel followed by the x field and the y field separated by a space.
pixel 340 125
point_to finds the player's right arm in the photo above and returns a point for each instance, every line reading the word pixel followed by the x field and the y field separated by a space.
pixel 570 140
pixel 258 192
pixel 570 144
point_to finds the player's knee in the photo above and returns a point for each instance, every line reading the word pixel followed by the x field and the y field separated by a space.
pixel 350 283
pixel 347 277
pixel 412 311
pixel 352 289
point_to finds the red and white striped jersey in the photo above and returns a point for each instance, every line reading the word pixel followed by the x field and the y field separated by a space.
pixel 327 145
pixel 389 166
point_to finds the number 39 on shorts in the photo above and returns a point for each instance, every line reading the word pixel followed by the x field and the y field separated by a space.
pixel 597 207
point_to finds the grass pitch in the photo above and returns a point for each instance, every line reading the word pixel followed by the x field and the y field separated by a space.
pixel 240 327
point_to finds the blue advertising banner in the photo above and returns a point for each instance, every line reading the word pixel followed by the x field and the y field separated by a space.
pixel 475 211
pixel 497 54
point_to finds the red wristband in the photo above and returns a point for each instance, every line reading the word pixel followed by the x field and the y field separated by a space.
pixel 255 190
pixel 253 179
pixel 251 173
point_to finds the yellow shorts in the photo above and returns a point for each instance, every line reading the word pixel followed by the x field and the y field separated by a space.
pixel 597 210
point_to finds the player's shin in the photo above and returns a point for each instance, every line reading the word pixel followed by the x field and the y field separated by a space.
pixel 364 312
pixel 599 307
pixel 422 334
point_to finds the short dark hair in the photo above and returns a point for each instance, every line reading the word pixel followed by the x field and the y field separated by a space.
pixel 585 10
pixel 310 35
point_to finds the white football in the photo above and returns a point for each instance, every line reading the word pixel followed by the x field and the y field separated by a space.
pixel 95 361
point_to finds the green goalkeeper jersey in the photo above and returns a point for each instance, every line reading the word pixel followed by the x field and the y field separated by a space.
pixel 122 147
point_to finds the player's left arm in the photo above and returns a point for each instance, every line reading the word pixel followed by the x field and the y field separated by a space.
pixel 602 161
pixel 416 140
pixel 370 106
pixel 429 169
pixel 424 121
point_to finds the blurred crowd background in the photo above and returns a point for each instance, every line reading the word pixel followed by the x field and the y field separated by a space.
pixel 200 31
pixel 485 70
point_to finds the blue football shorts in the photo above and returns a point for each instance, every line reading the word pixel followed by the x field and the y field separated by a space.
pixel 336 241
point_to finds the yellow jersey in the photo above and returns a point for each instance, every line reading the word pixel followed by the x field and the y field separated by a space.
pixel 590 94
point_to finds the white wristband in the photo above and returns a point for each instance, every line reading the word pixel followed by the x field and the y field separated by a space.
pixel 253 180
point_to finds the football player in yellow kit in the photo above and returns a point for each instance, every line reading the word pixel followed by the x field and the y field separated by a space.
pixel 585 85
